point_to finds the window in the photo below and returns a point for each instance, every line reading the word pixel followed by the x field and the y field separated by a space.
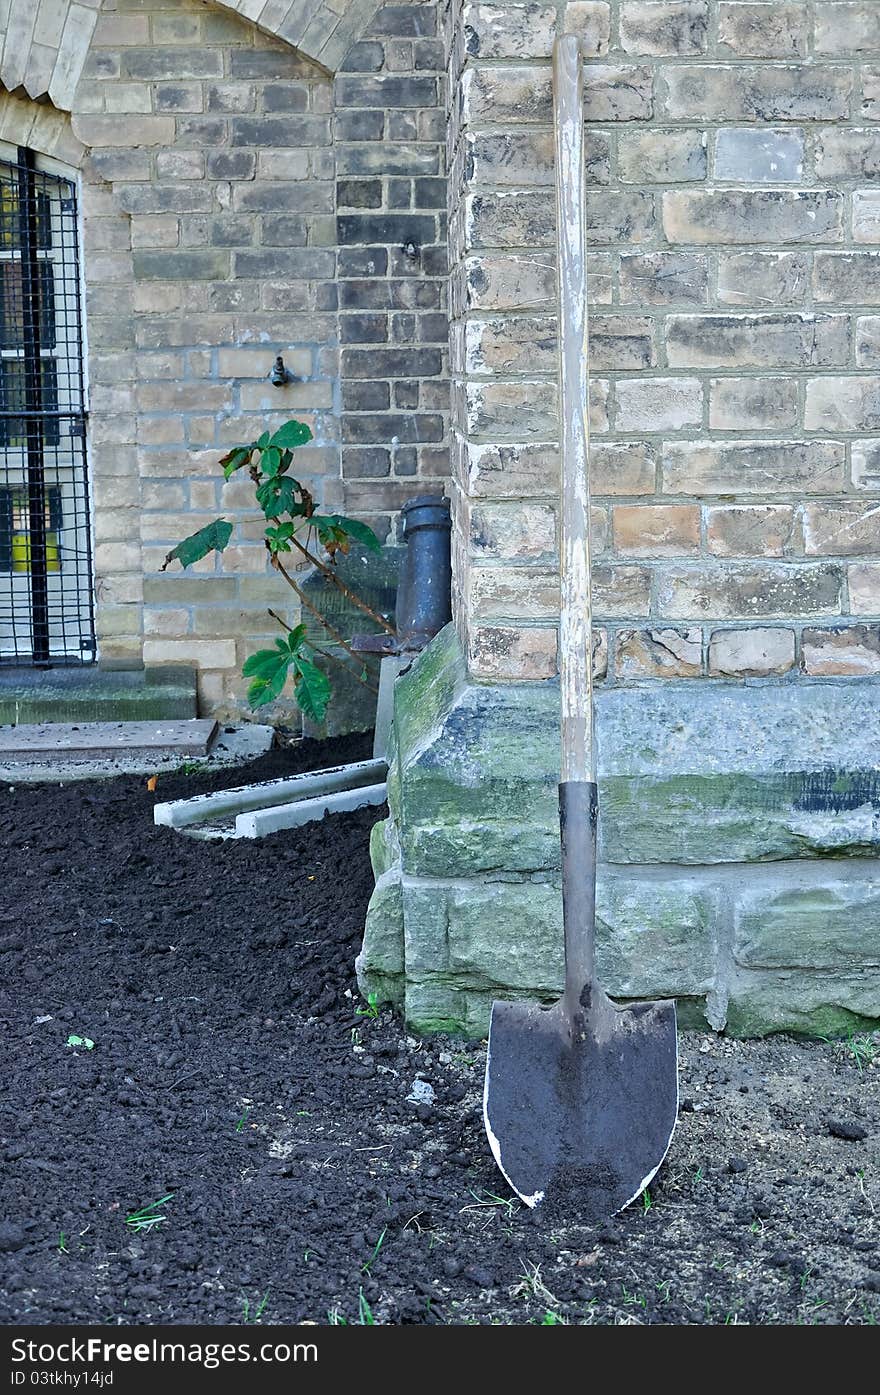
pixel 46 607
pixel 15 543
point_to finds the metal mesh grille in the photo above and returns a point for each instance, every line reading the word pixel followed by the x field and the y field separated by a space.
pixel 46 608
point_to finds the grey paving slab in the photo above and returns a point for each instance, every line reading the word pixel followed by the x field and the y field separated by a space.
pixel 38 742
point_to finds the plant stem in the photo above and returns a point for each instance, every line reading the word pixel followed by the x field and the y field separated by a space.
pixel 346 590
pixel 283 623
pixel 334 658
pixel 334 634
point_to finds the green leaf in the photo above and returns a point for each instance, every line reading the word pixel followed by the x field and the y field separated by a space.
pixel 238 456
pixel 360 532
pixel 81 1041
pixel 263 664
pixel 350 528
pixel 278 538
pixel 331 537
pixel 311 689
pixel 213 538
pixel 270 461
pixel 277 495
pixel 266 690
pixel 292 433
pixel 269 669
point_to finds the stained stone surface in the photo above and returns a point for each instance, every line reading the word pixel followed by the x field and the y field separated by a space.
pixel 739 850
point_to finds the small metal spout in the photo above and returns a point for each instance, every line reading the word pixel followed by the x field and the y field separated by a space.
pixel 279 374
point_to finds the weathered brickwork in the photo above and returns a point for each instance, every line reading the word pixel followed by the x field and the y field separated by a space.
pixel 733 212
pixel 390 131
pixel 240 202
pixel 44 43
pixel 257 182
pixel 209 247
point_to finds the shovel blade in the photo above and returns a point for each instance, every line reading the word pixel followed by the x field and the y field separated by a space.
pixel 581 1114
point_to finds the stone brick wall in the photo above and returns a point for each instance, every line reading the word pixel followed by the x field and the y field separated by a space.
pixel 733 154
pixel 390 133
pixel 209 239
pixel 44 43
pixel 240 202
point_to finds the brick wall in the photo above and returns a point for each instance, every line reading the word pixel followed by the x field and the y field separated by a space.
pixel 733 157
pixel 390 133
pixel 227 182
pixel 209 241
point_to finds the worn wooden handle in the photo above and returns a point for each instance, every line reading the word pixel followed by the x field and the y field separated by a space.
pixel 575 624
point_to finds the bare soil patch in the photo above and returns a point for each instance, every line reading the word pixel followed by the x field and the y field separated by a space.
pixel 234 1071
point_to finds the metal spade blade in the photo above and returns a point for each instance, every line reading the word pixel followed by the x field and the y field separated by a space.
pixel 581 1099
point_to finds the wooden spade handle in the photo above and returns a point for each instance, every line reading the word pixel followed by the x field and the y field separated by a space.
pixel 575 624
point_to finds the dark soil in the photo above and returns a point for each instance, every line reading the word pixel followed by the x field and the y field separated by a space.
pixel 233 1067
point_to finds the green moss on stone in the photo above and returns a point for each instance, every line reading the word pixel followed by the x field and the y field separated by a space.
pixel 691 776
pixel 828 1020
pixel 380 963
pixel 690 1014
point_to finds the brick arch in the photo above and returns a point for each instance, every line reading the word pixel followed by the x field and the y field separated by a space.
pixel 320 30
pixel 45 42
pixel 41 127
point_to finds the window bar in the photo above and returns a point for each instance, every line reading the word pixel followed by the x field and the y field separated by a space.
pixel 28 213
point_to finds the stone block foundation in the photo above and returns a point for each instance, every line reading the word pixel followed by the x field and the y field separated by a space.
pixel 739 850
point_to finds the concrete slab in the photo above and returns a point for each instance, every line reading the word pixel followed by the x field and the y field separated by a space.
pixel 233 745
pixel 33 743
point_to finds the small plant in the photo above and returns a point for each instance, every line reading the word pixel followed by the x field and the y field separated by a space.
pixel 62 1244
pixel 863 1049
pixel 292 527
pixel 258 1310
pixel 365 1318
pixel 191 767
pixel 647 1203
pixel 637 1300
pixel 240 1123
pixel 148 1217
pixel 85 1042
pixel 551 1319
pixel 491 1201
pixel 365 1268
pixel 372 1008
pixel 465 1059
